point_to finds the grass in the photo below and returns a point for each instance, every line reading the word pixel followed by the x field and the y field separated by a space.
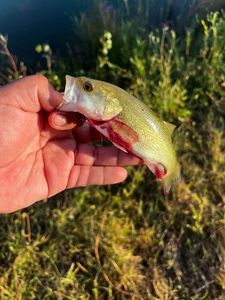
pixel 129 241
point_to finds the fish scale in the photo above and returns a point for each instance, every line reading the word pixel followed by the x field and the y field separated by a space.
pixel 127 122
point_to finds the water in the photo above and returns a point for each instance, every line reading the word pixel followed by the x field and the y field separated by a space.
pixel 30 22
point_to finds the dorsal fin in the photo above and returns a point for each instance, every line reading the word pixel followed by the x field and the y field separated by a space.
pixel 170 127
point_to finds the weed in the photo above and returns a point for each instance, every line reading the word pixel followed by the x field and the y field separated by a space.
pixel 128 241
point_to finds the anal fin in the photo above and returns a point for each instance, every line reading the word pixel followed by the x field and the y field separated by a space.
pixel 157 169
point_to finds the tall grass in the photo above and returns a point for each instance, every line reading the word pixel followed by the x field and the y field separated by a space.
pixel 128 241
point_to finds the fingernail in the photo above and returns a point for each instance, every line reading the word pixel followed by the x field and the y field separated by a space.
pixel 60 120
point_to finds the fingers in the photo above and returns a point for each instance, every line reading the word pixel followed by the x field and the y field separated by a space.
pixel 83 132
pixel 60 171
pixel 89 175
pixel 89 155
pixel 65 121
pixel 32 93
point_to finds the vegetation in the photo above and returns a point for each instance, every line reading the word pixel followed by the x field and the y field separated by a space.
pixel 129 241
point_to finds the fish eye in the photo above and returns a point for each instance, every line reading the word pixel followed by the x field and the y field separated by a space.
pixel 87 86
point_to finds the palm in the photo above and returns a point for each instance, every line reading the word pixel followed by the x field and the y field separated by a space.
pixel 34 163
pixel 37 161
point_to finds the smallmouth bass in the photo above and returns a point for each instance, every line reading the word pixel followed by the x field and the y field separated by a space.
pixel 127 122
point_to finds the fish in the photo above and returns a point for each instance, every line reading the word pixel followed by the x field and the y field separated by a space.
pixel 127 122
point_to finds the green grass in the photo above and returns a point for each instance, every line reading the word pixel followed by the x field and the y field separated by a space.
pixel 129 241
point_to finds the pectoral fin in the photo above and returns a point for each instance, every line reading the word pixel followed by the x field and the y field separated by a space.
pixel 119 147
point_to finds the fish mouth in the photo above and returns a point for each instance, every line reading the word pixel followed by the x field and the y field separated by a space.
pixel 71 96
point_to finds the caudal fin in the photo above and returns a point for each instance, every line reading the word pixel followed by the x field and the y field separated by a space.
pixel 171 178
pixel 167 177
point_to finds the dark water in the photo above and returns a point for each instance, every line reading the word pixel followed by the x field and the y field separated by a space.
pixel 30 22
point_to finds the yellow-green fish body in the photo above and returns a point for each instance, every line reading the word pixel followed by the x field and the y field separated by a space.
pixel 127 122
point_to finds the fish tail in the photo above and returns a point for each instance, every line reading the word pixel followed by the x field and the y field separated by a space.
pixel 171 178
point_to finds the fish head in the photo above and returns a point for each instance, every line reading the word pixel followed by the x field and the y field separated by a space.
pixel 92 98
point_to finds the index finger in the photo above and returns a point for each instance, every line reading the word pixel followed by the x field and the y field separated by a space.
pixel 32 94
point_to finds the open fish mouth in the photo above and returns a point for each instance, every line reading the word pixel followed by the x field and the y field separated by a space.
pixel 71 96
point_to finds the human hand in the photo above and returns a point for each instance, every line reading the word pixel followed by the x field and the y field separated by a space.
pixel 37 160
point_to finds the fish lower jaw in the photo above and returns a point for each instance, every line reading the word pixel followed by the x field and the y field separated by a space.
pixel 67 106
pixel 70 103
